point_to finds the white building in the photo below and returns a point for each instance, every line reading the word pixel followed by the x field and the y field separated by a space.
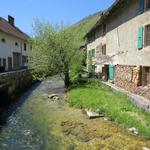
pixel 14 46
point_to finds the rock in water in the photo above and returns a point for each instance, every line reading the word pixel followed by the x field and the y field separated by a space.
pixel 52 96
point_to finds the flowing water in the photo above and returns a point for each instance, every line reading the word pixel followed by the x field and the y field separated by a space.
pixel 35 122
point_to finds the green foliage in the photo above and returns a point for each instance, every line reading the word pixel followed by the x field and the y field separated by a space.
pixel 116 106
pixel 55 50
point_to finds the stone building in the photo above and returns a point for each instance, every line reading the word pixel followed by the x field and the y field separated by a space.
pixel 14 46
pixel 122 52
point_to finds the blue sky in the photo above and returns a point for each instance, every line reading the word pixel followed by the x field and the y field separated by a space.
pixel 55 11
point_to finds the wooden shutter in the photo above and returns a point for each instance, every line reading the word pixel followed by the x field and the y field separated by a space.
pixel 141 6
pixel 147 4
pixel 147 35
pixel 140 38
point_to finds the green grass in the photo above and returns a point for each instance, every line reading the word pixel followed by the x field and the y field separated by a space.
pixel 115 105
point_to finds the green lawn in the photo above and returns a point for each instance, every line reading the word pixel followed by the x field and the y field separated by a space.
pixel 115 105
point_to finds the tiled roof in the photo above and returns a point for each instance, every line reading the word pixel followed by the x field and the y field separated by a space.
pixel 12 30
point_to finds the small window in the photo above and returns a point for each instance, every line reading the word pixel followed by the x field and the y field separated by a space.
pixel 92 53
pixel 3 40
pixel 4 63
pixel 104 29
pixel 16 43
pixel 30 47
pixel 147 35
pixel 147 4
pixel 25 46
pixel 104 49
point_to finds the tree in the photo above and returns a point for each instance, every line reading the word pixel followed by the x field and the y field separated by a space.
pixel 55 50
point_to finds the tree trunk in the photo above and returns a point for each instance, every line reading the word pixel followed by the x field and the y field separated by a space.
pixel 67 81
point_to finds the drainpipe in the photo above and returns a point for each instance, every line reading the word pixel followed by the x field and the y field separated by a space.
pixel 21 54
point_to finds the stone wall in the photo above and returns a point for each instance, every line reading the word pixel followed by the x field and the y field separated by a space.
pixel 130 78
pixel 15 81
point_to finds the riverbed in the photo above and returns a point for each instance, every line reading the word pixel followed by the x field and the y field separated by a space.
pixel 35 122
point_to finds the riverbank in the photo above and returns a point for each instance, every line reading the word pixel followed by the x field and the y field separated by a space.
pixel 41 123
pixel 116 106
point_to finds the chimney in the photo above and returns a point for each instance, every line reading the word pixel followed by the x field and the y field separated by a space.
pixel 11 20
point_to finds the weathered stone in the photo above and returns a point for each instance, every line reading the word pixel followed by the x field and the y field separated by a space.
pixel 52 96
pixel 92 115
pixel 145 148
pixel 133 130
pixel 128 77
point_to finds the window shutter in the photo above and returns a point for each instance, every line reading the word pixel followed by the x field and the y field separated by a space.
pixel 111 72
pixel 90 53
pixel 140 38
pixel 141 6
pixel 89 68
pixel 93 53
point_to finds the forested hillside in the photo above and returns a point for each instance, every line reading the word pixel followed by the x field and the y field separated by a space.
pixel 85 24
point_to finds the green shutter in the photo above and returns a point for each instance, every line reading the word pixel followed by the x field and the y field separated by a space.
pixel 141 6
pixel 111 72
pixel 93 52
pixel 90 53
pixel 89 68
pixel 140 37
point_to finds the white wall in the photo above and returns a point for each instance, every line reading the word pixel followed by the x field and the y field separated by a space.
pixel 7 48
pixel 122 36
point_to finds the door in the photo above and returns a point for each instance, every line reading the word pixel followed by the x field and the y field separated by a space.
pixel 16 60
pixel 111 72
pixel 9 63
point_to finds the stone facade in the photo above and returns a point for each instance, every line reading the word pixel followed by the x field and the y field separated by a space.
pixel 130 78
pixel 125 24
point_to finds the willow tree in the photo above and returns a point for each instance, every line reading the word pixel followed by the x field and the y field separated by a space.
pixel 55 50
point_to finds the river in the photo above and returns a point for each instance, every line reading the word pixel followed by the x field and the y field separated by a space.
pixel 35 122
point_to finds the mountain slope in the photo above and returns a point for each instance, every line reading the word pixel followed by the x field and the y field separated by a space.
pixel 85 24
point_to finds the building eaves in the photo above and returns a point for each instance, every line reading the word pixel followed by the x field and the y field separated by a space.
pixel 105 14
pixel 12 30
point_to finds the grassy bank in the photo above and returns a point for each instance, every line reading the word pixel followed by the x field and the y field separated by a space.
pixel 116 106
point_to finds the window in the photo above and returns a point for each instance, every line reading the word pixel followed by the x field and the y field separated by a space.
pixel 24 60
pixel 4 63
pixel 91 37
pixel 3 40
pixel 9 63
pixel 104 29
pixel 104 49
pixel 25 46
pixel 92 53
pixel 16 44
pixel 147 4
pixel 30 47
pixel 146 76
pixel 147 35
